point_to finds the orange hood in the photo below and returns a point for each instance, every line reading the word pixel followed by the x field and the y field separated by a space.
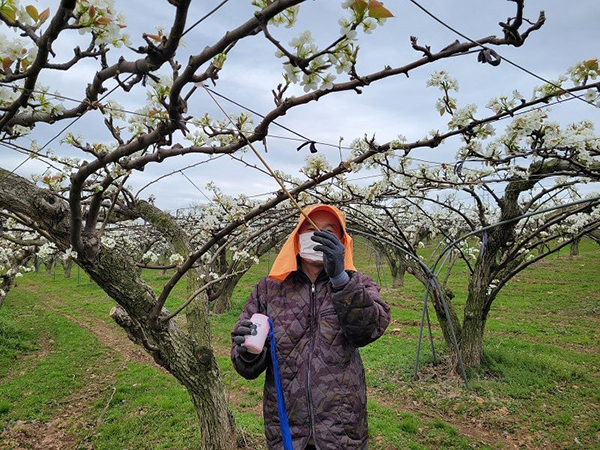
pixel 286 261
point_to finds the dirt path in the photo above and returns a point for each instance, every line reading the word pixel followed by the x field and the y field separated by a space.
pixel 109 334
pixel 64 430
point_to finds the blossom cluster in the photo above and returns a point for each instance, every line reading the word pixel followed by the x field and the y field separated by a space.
pixel 16 54
pixel 315 166
pixel 339 56
pixel 287 17
pixel 100 18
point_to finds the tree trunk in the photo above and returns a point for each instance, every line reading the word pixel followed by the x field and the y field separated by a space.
pixel 398 271
pixel 471 337
pixel 201 374
pixel 67 266
pixel 195 367
pixel 216 421
pixel 481 281
pixel 439 299
pixel 49 265
pixel 575 247
pixel 479 301
pixel 6 282
pixel 165 262
pixel 208 395
pixel 395 263
pixel 222 303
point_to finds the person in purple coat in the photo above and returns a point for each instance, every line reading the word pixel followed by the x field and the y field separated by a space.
pixel 323 311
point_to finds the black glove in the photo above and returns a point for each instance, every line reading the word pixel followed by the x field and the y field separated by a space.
pixel 333 255
pixel 243 329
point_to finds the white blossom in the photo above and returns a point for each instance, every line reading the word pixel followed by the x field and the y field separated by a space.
pixel 176 259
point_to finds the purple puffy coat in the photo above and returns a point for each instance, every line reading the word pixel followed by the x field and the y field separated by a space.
pixel 318 332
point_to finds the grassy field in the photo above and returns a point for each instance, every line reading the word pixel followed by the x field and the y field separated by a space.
pixel 70 379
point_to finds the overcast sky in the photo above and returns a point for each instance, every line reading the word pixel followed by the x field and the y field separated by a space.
pixel 394 106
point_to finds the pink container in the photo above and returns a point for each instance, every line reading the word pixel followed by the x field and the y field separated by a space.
pixel 260 329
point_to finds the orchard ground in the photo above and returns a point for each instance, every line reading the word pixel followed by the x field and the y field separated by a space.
pixel 70 378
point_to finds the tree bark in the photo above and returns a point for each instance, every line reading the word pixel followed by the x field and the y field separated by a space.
pixel 67 266
pixel 477 306
pixel 5 285
pixel 475 316
pixel 222 303
pixel 480 295
pixel 471 342
pixel 438 300
pixel 575 247
pixel 398 270
pixel 49 266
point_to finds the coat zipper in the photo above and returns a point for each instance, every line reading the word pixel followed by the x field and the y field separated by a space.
pixel 311 417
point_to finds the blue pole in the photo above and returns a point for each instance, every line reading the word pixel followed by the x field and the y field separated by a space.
pixel 286 434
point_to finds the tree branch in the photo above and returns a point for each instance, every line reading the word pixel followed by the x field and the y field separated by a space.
pixel 58 23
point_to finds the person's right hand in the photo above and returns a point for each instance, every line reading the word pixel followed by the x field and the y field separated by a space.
pixel 241 331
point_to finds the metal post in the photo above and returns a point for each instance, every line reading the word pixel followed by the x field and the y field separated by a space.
pixel 430 336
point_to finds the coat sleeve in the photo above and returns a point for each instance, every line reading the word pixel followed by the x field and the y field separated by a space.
pixel 362 314
pixel 250 366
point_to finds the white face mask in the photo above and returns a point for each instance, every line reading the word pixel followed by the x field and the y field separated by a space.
pixel 306 248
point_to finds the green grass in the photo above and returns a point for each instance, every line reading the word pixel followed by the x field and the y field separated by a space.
pixel 145 403
pixel 44 370
pixel 540 384
pixel 15 340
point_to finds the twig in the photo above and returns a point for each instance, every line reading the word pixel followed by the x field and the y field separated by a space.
pixel 99 421
pixel 283 188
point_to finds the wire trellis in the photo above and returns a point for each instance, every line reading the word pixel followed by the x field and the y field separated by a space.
pixel 433 284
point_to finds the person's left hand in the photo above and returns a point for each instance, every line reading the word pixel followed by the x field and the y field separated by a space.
pixel 333 252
